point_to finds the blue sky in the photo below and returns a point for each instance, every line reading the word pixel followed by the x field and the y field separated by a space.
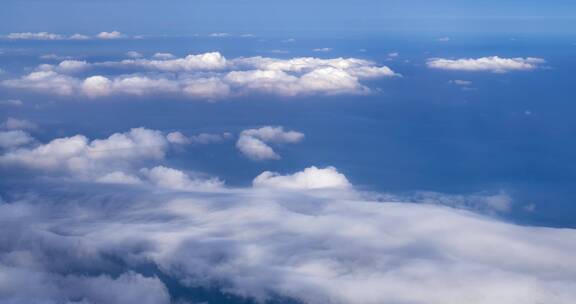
pixel 262 16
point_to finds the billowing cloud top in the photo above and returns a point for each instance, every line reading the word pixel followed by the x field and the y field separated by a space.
pixel 310 178
pixel 338 245
pixel 207 76
pixel 254 143
pixel 490 64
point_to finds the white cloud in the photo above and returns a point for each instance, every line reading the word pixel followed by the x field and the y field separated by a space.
pixel 443 39
pixel 163 56
pixel 119 177
pixel 177 138
pixel 52 36
pixel 114 160
pixel 253 143
pixel 79 156
pixel 80 37
pixel 45 81
pixel 461 82
pixel 14 138
pixel 110 35
pixel 206 61
pixel 134 54
pixel 258 245
pixel 310 178
pixel 18 124
pixel 170 178
pixel 219 35
pixel 208 76
pixel 322 49
pixel 72 66
pixel 11 102
pixel 491 64
pixel 34 36
pixel 210 138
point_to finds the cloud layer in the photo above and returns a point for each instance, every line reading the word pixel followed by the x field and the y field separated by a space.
pixel 328 247
pixel 493 64
pixel 207 76
pixel 52 36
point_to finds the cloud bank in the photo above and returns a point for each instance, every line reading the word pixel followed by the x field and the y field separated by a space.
pixel 52 36
pixel 493 64
pixel 207 76
pixel 117 227
pixel 292 242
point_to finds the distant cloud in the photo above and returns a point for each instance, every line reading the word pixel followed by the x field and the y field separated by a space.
pixel 11 102
pixel 309 178
pixel 460 82
pixel 254 143
pixel 163 56
pixel 322 49
pixel 134 54
pixel 34 36
pixel 110 35
pixel 52 36
pixel 18 124
pixel 443 39
pixel 493 64
pixel 209 76
pixel 14 138
pixel 219 35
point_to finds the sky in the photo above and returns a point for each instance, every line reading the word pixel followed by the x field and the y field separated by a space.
pixel 186 152
pixel 179 17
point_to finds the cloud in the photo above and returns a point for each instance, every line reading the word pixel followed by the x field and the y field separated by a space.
pixel 134 54
pixel 460 82
pixel 170 178
pixel 81 157
pixel 208 76
pixel 322 49
pixel 14 138
pixel 110 35
pixel 206 61
pixel 18 124
pixel 34 36
pixel 253 143
pixel 310 178
pixel 209 138
pixel 52 36
pixel 11 102
pixel 80 37
pixel 117 159
pixel 256 244
pixel 493 64
pixel 219 35
pixel 163 56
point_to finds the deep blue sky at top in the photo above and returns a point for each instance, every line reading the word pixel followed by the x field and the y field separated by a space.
pixel 294 16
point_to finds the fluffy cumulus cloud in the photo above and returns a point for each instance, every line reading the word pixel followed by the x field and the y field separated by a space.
pixel 117 159
pixel 310 178
pixel 110 35
pixel 255 143
pixel 333 246
pixel 486 64
pixel 159 234
pixel 14 138
pixel 207 76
